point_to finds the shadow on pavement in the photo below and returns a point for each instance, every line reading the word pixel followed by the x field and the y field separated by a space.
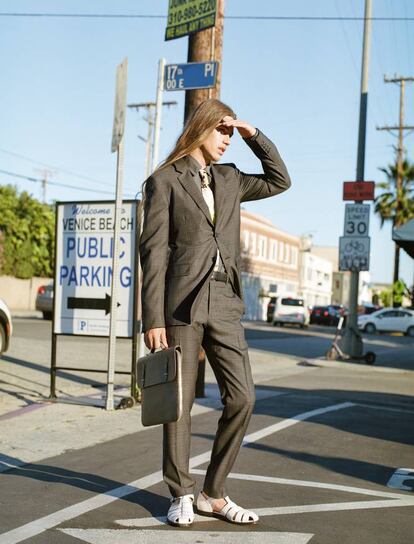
pixel 152 502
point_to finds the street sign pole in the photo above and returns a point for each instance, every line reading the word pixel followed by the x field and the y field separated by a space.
pixel 117 144
pixel 352 339
pixel 155 151
pixel 158 112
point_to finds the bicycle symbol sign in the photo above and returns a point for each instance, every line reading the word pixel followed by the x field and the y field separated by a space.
pixel 354 253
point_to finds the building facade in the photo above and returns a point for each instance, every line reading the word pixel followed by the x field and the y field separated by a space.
pixel 315 279
pixel 269 263
pixel 341 281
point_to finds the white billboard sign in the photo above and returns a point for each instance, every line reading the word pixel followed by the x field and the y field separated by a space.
pixel 83 268
pixel 354 253
pixel 356 220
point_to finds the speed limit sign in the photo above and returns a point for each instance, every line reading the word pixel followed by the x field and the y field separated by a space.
pixel 356 220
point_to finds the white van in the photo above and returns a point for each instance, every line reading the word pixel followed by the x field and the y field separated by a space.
pixel 290 310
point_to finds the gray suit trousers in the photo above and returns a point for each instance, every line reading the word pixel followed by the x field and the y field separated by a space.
pixel 217 328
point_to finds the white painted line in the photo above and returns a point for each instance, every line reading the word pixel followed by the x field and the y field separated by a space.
pixel 385 408
pixel 124 536
pixel 334 507
pixel 284 510
pixel 400 478
pixel 38 526
pixel 254 437
pixel 305 483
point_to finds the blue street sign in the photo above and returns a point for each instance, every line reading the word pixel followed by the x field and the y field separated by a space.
pixel 194 75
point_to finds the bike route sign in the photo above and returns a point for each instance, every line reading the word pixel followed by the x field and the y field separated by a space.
pixel 83 268
pixel 354 253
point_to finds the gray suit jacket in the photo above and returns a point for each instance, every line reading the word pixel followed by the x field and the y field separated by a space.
pixel 178 243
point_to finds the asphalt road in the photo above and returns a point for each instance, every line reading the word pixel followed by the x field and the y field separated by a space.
pixel 321 463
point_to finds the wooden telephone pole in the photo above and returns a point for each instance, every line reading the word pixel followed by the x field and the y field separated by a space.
pixel 400 158
pixel 205 46
pixel 202 47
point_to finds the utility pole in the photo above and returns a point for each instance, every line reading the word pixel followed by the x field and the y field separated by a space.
pixel 150 119
pixel 45 173
pixel 204 46
pixel 352 339
pixel 150 108
pixel 399 80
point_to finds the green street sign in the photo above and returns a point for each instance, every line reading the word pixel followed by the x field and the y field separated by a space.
pixel 189 16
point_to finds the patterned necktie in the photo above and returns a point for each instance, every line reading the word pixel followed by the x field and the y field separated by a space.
pixel 207 193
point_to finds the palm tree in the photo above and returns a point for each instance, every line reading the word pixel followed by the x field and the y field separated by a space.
pixel 396 204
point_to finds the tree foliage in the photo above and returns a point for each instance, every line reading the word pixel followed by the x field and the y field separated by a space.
pixel 27 232
pixel 393 204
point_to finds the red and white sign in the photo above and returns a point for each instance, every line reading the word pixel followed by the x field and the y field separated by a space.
pixel 359 190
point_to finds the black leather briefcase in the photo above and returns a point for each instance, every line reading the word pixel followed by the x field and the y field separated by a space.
pixel 159 375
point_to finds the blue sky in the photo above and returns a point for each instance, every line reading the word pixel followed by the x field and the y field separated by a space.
pixel 298 81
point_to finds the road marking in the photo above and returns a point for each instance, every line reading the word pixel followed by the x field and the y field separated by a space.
pixel 40 525
pixel 306 483
pixel 125 536
pixel 254 437
pixel 283 511
pixel 386 408
pixel 394 500
pixel 402 477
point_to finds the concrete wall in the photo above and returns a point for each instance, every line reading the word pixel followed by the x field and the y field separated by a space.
pixel 20 294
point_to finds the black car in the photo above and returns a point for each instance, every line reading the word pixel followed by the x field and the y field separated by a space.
pixel 327 315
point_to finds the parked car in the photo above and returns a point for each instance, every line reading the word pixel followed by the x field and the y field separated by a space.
pixel 327 315
pixel 368 308
pixel 44 300
pixel 388 320
pixel 291 311
pixel 6 326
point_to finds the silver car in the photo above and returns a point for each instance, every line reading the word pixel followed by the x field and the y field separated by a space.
pixel 44 300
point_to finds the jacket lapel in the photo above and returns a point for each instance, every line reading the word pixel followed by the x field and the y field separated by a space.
pixel 220 195
pixel 187 180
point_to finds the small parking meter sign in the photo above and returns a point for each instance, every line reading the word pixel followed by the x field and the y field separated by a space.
pixel 354 253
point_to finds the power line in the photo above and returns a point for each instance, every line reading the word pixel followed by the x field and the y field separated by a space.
pixel 235 17
pixel 39 180
pixel 70 172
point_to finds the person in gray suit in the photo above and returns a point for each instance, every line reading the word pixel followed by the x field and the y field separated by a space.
pixel 192 294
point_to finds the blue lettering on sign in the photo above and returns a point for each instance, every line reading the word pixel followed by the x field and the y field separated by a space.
pixel 125 276
pixel 93 276
pixel 92 247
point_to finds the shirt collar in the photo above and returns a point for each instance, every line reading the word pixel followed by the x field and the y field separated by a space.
pixel 195 166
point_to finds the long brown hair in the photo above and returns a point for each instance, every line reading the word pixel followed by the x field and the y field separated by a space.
pixel 201 122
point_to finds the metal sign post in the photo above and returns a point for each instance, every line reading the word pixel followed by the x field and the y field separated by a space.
pixel 352 339
pixel 158 112
pixel 117 145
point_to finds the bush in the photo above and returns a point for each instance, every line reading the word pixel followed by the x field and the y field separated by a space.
pixel 27 232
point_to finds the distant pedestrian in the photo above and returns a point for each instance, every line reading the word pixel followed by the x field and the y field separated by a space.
pixel 192 294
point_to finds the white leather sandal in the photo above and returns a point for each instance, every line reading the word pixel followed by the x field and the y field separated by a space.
pixel 181 511
pixel 230 512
